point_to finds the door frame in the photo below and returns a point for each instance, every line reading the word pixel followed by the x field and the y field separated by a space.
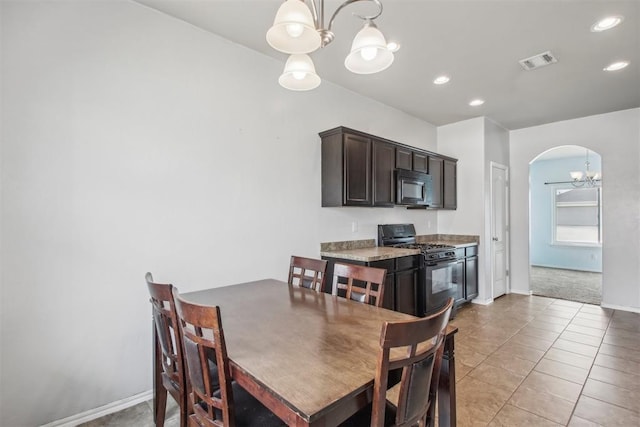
pixel 493 165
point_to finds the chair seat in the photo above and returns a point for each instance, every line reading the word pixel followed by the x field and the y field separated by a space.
pixel 393 395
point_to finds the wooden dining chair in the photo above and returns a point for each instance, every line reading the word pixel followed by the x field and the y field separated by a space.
pixel 359 283
pixel 168 366
pixel 416 347
pixel 307 272
pixel 216 400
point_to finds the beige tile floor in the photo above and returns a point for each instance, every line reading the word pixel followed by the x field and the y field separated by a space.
pixel 539 361
pixel 527 361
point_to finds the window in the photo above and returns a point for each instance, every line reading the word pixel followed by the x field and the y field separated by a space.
pixel 577 213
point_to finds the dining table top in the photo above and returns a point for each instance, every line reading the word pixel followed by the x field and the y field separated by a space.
pixel 310 352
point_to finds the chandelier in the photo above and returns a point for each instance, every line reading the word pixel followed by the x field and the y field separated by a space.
pixel 298 30
pixel 588 177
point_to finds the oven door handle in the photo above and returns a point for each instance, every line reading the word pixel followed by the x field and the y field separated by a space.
pixel 442 264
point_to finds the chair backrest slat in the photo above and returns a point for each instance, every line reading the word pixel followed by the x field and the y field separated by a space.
pixel 369 288
pixel 307 272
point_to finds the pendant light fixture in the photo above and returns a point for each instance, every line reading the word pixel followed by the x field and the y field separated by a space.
pixel 299 73
pixel 369 52
pixel 298 30
pixel 586 177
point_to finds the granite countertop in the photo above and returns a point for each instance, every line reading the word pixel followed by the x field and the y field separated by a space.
pixel 455 240
pixel 366 250
pixel 375 253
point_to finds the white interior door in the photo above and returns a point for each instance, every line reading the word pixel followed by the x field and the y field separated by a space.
pixel 499 229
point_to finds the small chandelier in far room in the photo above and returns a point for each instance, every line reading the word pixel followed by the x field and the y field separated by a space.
pixel 586 177
pixel 299 30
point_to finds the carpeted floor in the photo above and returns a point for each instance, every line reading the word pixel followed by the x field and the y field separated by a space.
pixel 572 285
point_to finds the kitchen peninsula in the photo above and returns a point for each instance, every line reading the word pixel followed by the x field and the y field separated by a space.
pixel 416 272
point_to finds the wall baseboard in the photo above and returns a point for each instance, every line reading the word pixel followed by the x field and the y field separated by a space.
pixel 101 411
pixel 621 307
pixel 521 292
pixel 482 301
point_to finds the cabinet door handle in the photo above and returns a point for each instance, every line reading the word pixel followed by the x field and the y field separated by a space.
pixel 495 239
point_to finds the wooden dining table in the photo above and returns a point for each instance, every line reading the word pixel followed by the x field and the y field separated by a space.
pixel 309 357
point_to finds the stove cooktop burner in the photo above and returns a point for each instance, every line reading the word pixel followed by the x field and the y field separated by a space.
pixel 404 236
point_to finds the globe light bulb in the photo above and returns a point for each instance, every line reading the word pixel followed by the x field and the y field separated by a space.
pixel 295 30
pixel 369 53
pixel 299 75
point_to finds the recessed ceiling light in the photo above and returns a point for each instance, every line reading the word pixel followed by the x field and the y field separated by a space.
pixel 617 66
pixel 607 23
pixel 393 46
pixel 440 80
pixel 476 102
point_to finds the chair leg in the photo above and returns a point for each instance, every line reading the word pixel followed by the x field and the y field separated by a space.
pixel 159 392
pixel 184 409
pixel 160 406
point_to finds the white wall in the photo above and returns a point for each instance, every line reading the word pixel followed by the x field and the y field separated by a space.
pixel 133 142
pixel 475 143
pixel 616 137
pixel 465 141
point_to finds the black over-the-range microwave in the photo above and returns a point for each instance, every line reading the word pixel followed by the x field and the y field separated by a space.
pixel 413 188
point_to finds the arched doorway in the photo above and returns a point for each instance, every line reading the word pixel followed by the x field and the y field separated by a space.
pixel 565 224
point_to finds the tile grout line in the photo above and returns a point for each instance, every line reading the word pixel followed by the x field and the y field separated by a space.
pixel 545 353
pixel 532 369
pixel 590 368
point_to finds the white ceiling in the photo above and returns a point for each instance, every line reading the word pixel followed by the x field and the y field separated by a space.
pixel 476 42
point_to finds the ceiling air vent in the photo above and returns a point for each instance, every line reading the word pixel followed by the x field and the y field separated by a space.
pixel 539 60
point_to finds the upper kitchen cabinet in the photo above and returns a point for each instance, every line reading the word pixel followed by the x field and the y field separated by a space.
pixel 420 162
pixel 404 158
pixel 358 169
pixel 411 160
pixel 346 169
pixel 449 184
pixel 383 173
pixel 443 175
pixel 436 170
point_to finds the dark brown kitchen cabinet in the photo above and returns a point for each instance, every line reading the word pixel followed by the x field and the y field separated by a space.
pixel 412 160
pixel 436 170
pixel 443 175
pixel 404 158
pixel 346 169
pixel 406 285
pixel 400 284
pixel 420 162
pixel 465 273
pixel 383 174
pixel 358 169
pixel 449 185
pixel 471 272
